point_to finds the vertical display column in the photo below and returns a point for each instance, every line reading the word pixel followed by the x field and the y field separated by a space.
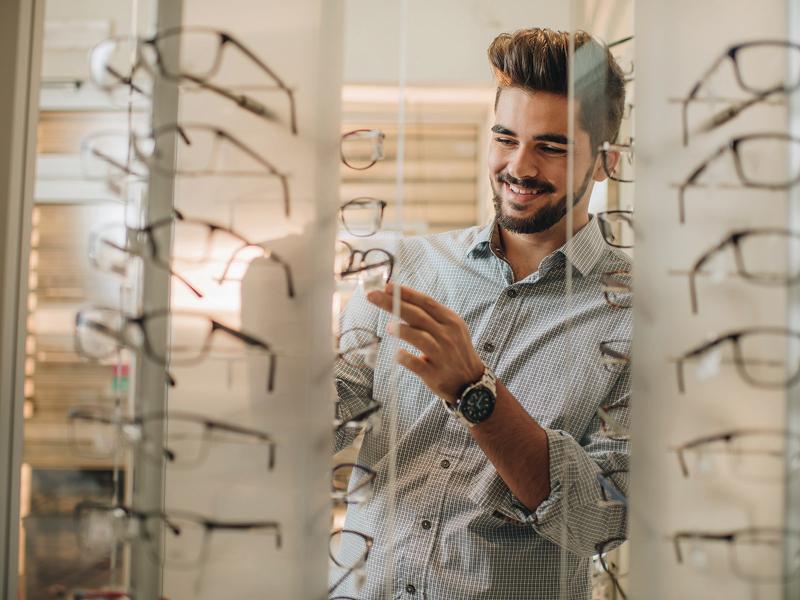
pixel 712 365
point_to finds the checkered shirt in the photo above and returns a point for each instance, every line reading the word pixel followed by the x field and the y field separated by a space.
pixel 458 532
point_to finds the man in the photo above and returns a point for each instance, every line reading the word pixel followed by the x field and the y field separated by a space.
pixel 494 492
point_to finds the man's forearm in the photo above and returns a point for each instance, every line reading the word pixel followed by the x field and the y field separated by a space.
pixel 517 447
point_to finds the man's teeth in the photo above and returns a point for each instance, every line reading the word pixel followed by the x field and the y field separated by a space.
pixel 524 191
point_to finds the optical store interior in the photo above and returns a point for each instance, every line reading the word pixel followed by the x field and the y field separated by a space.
pixel 337 299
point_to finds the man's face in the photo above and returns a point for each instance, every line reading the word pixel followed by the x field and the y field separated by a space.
pixel 528 161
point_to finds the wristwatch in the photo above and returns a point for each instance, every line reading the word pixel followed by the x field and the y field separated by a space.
pixel 476 403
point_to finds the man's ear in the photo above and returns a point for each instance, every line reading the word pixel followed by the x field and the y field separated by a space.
pixel 601 171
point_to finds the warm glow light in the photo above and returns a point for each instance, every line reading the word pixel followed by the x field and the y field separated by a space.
pixel 419 94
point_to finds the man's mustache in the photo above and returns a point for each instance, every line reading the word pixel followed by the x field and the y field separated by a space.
pixel 527 182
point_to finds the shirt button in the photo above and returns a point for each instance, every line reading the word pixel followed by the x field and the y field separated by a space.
pixel 512 292
pixel 411 589
pixel 426 524
pixel 488 347
pixel 445 464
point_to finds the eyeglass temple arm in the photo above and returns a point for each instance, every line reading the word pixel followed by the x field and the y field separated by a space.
pixel 693 93
pixel 244 101
pixel 728 114
pixel 252 56
pixel 693 177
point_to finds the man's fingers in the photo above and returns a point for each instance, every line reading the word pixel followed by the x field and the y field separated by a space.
pixel 440 313
pixel 410 313
pixel 421 340
pixel 416 364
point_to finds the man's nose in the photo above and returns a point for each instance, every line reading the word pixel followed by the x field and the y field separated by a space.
pixel 523 165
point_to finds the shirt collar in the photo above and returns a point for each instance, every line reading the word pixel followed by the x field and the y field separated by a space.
pixel 582 250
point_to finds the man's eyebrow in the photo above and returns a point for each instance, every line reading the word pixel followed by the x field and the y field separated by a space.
pixel 556 138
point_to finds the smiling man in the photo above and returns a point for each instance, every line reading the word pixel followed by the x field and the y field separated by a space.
pixel 498 444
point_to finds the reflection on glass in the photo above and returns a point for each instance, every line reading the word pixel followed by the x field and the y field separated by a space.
pixel 358 347
pixel 610 417
pixel 349 550
pixel 610 568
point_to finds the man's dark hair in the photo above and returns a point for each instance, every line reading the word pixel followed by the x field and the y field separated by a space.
pixel 537 60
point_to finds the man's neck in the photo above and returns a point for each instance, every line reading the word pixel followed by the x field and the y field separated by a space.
pixel 525 251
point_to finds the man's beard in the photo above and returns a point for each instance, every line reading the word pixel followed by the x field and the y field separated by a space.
pixel 546 216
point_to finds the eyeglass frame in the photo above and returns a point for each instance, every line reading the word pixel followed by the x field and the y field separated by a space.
pixel 380 205
pixel 147 348
pixel 733 240
pixel 209 526
pixel 726 437
pixel 624 148
pixel 734 337
pixel 600 549
pixel 603 223
pixel 147 231
pixel 84 412
pixel 368 542
pixel 758 95
pixel 732 145
pixel 242 100
pixel 349 271
pixel 380 136
pixel 729 537
pixel 367 480
pixel 608 279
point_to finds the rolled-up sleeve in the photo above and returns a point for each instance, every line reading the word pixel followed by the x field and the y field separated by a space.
pixel 575 515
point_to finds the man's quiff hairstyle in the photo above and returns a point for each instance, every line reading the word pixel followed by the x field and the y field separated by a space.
pixel 537 60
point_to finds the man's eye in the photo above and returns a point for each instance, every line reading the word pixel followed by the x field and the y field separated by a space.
pixel 554 150
pixel 505 141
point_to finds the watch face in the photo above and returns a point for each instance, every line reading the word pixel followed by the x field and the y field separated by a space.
pixel 477 405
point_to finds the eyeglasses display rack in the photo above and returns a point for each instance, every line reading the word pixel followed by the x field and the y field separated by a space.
pixel 714 439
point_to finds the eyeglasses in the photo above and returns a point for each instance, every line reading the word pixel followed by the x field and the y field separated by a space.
pixel 617 288
pixel 624 169
pixel 615 355
pixel 349 550
pixel 759 354
pixel 610 427
pixel 750 454
pixel 186 535
pixel 612 496
pixel 761 256
pixel 177 149
pixel 755 554
pixel 100 332
pixel 99 432
pixel 360 491
pixel 616 227
pixel 611 569
pixel 181 54
pixel 362 421
pixel 362 148
pixel 200 242
pixel 760 159
pixel 358 347
pixel 749 60
pixel 362 217
pixel 369 269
